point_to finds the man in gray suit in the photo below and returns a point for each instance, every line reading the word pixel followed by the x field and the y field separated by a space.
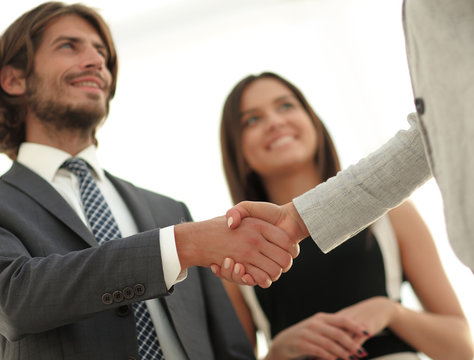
pixel 440 48
pixel 64 296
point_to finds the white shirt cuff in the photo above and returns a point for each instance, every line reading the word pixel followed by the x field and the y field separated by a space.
pixel 169 258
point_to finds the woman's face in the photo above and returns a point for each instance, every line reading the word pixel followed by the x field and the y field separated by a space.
pixel 278 135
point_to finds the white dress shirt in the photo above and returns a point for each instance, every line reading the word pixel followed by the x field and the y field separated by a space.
pixel 46 162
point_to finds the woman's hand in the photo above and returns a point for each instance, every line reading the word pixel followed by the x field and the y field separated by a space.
pixel 322 336
pixel 374 314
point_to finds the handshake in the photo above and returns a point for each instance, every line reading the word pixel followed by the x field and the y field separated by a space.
pixel 253 244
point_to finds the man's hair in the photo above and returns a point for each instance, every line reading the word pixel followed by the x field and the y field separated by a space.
pixel 18 45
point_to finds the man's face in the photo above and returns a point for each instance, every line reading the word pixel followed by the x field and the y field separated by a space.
pixel 70 85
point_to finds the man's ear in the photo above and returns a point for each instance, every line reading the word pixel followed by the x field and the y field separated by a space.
pixel 12 80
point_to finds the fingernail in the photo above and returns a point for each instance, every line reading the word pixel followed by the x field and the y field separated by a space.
pixel 230 220
pixel 226 263
pixel 362 352
pixel 236 268
pixel 243 279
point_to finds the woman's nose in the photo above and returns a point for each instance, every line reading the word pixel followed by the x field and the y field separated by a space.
pixel 275 120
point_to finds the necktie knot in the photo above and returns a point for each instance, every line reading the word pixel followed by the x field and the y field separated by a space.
pixel 77 166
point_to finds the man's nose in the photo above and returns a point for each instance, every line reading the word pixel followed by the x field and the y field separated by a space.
pixel 92 59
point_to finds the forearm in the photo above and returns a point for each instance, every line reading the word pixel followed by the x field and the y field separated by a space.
pixel 441 337
pixel 345 204
pixel 42 293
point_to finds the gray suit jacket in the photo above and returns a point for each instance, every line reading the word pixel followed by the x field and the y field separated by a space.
pixel 53 278
pixel 440 49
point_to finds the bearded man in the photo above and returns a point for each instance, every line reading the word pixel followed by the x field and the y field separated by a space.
pixel 86 259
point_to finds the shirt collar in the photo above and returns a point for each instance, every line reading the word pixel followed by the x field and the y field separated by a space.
pixel 46 160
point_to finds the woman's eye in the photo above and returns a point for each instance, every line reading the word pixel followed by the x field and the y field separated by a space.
pixel 286 105
pixel 250 121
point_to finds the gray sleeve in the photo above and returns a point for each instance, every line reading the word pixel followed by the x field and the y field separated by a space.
pixel 357 196
pixel 44 293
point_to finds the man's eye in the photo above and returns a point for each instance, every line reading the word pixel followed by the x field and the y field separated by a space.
pixel 103 53
pixel 66 46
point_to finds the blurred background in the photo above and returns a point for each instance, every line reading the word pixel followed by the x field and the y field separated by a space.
pixel 178 59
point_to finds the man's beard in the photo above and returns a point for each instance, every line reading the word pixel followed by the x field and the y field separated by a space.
pixel 61 115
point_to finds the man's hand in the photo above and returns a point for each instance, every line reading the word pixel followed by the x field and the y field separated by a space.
pixel 285 217
pixel 263 249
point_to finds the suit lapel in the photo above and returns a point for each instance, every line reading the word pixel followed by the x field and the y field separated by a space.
pixel 45 195
pixel 137 205
pixel 185 305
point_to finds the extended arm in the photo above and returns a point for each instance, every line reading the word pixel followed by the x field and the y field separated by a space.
pixel 336 210
pixel 39 272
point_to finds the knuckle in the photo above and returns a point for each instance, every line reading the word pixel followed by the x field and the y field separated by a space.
pixel 339 334
pixel 320 315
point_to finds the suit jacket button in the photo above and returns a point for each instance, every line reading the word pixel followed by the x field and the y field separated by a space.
pixel 420 106
pixel 128 292
pixel 123 311
pixel 118 296
pixel 139 289
pixel 107 299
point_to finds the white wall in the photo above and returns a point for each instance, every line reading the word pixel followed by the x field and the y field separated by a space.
pixel 179 59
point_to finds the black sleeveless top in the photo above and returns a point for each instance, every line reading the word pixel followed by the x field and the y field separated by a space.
pixel 320 282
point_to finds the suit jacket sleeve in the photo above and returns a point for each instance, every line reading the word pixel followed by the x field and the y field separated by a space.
pixel 42 293
pixel 336 210
pixel 52 275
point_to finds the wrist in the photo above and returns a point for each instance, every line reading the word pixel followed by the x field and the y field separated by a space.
pixel 301 230
pixel 185 245
pixel 272 354
pixel 276 350
pixel 396 312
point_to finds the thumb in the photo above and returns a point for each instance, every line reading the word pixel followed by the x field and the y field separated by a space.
pixel 235 215
pixel 265 211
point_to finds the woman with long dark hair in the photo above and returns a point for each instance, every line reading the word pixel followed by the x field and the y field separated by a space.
pixel 274 148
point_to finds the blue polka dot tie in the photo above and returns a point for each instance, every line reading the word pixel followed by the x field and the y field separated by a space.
pixel 104 227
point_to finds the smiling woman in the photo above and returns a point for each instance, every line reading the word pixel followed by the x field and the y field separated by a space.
pixel 276 148
pixel 175 69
